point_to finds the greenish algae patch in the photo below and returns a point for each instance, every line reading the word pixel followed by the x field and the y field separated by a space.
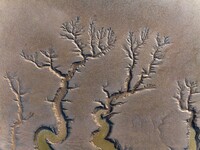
pixel 99 136
pixel 47 135
pixel 192 141
pixel 44 135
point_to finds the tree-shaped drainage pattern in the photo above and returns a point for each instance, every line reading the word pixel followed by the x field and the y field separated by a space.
pixel 100 44
pixel 185 91
pixel 20 92
pixel 103 113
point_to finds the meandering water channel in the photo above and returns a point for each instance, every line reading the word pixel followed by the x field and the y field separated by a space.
pixel 99 138
pixel 44 137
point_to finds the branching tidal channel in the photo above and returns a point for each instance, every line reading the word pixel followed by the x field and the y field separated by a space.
pixel 101 41
pixel 103 113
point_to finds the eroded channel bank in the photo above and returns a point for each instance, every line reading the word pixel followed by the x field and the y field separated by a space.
pixel 44 136
pixel 101 41
pixel 100 137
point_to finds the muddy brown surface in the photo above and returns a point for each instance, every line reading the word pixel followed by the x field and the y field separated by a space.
pixel 157 115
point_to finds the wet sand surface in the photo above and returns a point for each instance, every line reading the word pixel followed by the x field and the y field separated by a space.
pixel 106 74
